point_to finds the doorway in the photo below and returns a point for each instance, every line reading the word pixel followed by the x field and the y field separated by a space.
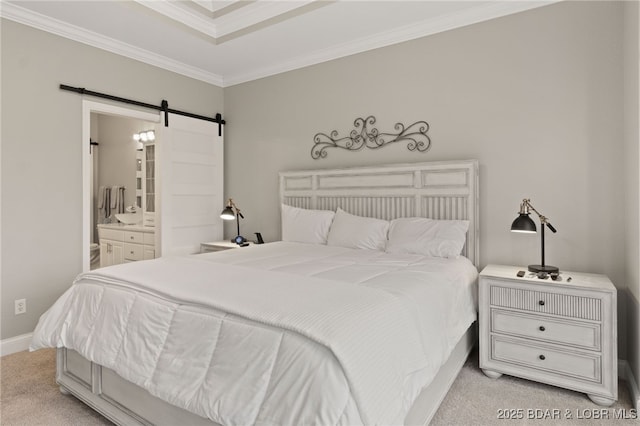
pixel 117 180
pixel 92 113
pixel 188 186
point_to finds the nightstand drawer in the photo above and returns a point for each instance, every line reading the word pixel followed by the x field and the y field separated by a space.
pixel 212 248
pixel 562 304
pixel 583 366
pixel 548 329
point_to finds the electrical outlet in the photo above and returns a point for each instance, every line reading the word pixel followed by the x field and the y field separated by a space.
pixel 20 306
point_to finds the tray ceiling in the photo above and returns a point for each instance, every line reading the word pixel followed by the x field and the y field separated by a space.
pixel 228 42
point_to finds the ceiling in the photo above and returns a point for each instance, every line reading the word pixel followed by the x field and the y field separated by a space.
pixel 227 42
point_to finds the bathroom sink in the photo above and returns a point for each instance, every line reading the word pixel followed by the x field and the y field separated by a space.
pixel 129 218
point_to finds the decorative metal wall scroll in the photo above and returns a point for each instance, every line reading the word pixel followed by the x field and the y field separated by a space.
pixel 365 135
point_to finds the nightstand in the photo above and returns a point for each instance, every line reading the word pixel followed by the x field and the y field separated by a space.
pixel 561 332
pixel 219 246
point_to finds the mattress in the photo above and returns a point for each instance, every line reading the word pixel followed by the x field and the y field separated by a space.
pixel 280 333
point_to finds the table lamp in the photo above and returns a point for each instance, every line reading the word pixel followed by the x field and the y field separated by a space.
pixel 230 212
pixel 525 224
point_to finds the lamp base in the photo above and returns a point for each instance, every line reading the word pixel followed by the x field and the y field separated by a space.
pixel 239 240
pixel 546 268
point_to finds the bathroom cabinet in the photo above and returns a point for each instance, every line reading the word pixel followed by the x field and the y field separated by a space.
pixel 149 185
pixel 111 252
pixel 125 243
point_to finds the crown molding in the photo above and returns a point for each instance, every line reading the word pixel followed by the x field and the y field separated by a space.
pixel 27 17
pixel 425 28
pixel 189 17
pixel 257 13
pixel 410 32
pixel 218 26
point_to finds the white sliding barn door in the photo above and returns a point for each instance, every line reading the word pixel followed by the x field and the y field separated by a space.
pixel 190 185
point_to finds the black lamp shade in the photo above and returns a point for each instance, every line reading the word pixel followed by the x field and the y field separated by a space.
pixel 227 213
pixel 523 223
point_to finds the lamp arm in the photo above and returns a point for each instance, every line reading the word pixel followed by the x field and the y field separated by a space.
pixel 239 215
pixel 526 205
pixel 231 204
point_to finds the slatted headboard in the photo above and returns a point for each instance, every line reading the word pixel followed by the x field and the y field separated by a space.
pixel 436 190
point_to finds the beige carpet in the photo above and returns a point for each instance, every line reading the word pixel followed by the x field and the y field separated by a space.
pixel 29 396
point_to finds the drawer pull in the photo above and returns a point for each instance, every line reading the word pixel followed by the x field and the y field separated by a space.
pixel 542 357
pixel 542 328
pixel 541 303
pixel 131 237
pixel 132 252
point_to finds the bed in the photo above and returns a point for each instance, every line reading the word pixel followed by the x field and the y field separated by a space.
pixel 291 332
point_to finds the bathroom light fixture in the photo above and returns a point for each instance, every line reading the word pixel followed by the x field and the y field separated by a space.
pixel 146 136
pixel 524 224
pixel 230 212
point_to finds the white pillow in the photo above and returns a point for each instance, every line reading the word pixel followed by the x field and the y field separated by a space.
pixel 305 226
pixel 429 237
pixel 358 232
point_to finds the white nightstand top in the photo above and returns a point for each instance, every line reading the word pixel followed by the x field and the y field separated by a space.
pixel 222 244
pixel 578 279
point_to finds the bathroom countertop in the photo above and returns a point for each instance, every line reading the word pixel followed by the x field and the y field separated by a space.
pixel 123 227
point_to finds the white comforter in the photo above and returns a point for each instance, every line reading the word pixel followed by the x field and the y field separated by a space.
pixel 281 333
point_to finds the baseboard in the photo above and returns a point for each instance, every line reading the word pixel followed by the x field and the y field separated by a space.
pixel 625 373
pixel 15 344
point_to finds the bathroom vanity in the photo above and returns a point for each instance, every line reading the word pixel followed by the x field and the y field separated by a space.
pixel 120 243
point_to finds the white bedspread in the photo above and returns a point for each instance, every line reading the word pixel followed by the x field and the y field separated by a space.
pixel 281 333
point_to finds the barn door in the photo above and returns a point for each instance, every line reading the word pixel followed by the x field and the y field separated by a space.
pixel 190 184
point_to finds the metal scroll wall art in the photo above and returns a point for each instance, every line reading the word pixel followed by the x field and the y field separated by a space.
pixel 365 135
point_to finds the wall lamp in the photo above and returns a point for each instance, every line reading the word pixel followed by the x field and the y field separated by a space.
pixel 230 212
pixel 525 224
pixel 146 136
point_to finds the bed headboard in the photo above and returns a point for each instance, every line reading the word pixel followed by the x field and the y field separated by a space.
pixel 436 190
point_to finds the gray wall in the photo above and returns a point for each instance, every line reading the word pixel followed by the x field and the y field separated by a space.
pixel 536 97
pixel 632 179
pixel 41 155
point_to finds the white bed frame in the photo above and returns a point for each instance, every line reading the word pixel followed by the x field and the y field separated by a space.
pixel 438 190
